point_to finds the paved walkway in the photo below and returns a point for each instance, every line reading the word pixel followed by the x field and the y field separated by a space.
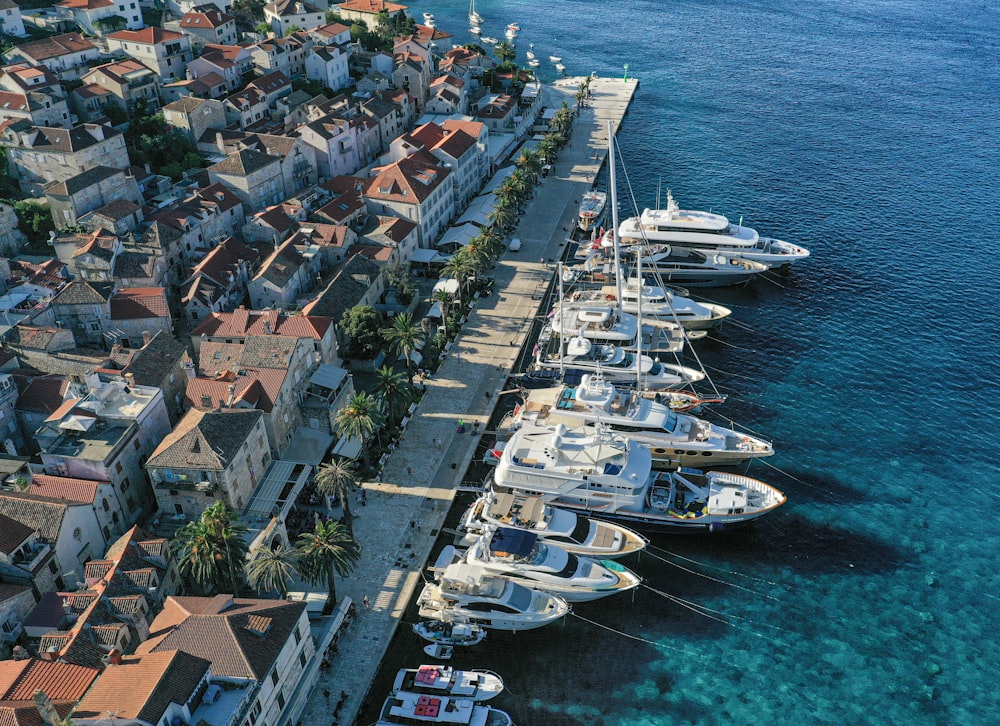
pixel 419 480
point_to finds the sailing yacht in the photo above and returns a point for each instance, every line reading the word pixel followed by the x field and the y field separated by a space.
pixel 605 474
pixel 674 439
pixel 474 17
pixel 708 232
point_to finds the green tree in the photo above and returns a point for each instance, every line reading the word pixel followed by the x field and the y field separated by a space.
pixel 253 9
pixel 337 479
pixel 360 418
pixel 361 324
pixel 445 299
pixel 460 268
pixel 530 161
pixel 292 29
pixel 404 336
pixel 262 28
pixel 393 392
pixel 271 570
pixel 328 551
pixel 35 220
pixel 211 550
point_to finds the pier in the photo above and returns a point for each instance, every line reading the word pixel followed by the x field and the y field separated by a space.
pixel 419 480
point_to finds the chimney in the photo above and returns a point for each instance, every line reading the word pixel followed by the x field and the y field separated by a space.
pixel 146 337
pixel 232 394
pixel 130 379
pixel 267 327
pixel 115 657
pixel 188 366
pixel 50 716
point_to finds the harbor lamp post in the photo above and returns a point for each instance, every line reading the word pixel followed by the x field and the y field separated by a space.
pixel 626 73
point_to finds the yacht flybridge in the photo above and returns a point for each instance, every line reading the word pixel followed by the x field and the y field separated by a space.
pixel 706 231
pixel 608 476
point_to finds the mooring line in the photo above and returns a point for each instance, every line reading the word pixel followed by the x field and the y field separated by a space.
pixel 709 577
pixel 636 637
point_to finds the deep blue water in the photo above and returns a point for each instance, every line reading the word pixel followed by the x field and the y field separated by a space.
pixel 868 132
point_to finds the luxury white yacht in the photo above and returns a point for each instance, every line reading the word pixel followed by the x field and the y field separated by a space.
pixel 603 323
pixel 469 594
pixel 523 558
pixel 436 680
pixel 674 439
pixel 707 231
pixel 694 268
pixel 607 475
pixel 614 362
pixel 403 708
pixel 576 534
pixel 657 305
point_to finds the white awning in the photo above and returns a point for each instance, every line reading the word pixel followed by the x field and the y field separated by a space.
pixel 425 256
pixel 349 448
pixel 77 423
pixel 479 210
pixel 461 235
pixel 415 357
pixel 448 284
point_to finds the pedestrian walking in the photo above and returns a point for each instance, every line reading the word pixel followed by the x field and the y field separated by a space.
pixel 409 471
pixel 364 601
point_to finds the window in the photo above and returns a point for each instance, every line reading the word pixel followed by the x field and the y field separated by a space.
pixel 118 467
pixel 107 533
pixel 104 503
pixel 131 503
pixel 298 638
pixel 281 700
pixel 302 659
pixel 136 444
pixel 274 676
pixel 52 567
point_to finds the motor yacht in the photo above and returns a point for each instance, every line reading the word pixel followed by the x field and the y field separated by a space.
pixel 448 633
pixel 616 363
pixel 658 304
pixel 576 534
pixel 466 593
pixel 403 708
pixel 674 439
pixel 694 268
pixel 592 208
pixel 435 680
pixel 540 565
pixel 707 231
pixel 604 323
pixel 604 474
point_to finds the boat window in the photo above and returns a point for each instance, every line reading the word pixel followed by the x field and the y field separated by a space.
pixel 671 423
pixel 520 599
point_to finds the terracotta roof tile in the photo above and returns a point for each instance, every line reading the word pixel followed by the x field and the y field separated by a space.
pixel 138 303
pixel 149 36
pixel 62 487
pixel 207 440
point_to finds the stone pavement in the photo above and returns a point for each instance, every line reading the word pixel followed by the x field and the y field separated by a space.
pixel 419 480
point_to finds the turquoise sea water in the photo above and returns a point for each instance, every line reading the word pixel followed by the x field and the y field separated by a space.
pixel 868 132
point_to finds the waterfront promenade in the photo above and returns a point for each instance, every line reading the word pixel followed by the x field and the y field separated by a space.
pixel 419 480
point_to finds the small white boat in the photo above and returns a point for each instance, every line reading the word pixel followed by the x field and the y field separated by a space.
pixel 560 67
pixel 466 592
pixel 592 207
pixel 449 634
pixel 555 58
pixel 476 685
pixel 581 536
pixel 510 34
pixel 513 27
pixel 489 40
pixel 530 55
pixel 441 652
pixel 534 62
pixel 403 708
pixel 429 20
pixel 476 30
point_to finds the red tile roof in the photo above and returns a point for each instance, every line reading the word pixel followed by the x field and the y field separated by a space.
pixel 137 303
pixel 149 36
pixel 242 322
pixel 19 679
pixel 62 487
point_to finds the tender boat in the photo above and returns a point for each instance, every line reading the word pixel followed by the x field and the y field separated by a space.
pixel 429 20
pixel 449 634
pixel 614 362
pixel 513 27
pixel 522 557
pixel 560 67
pixel 576 534
pixel 466 593
pixel 592 207
pixel 606 475
pixel 555 58
pixel 475 685
pixel 404 709
pixel 707 231
pixel 674 439
pixel 531 52
pixel 476 30
pixel 489 40
pixel 534 62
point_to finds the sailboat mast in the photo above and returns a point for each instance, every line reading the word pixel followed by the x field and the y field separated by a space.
pixel 638 345
pixel 614 214
pixel 562 363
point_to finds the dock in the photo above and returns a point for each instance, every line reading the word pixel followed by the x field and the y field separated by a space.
pixel 405 510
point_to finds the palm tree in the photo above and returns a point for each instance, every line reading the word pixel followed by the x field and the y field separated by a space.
pixel 548 147
pixel 459 268
pixel 337 479
pixel 445 299
pixel 272 569
pixel 501 217
pixel 211 550
pixel 505 51
pixel 521 183
pixel 329 550
pixel 530 161
pixel 404 336
pixel 359 419
pixel 392 390
pixel 492 242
